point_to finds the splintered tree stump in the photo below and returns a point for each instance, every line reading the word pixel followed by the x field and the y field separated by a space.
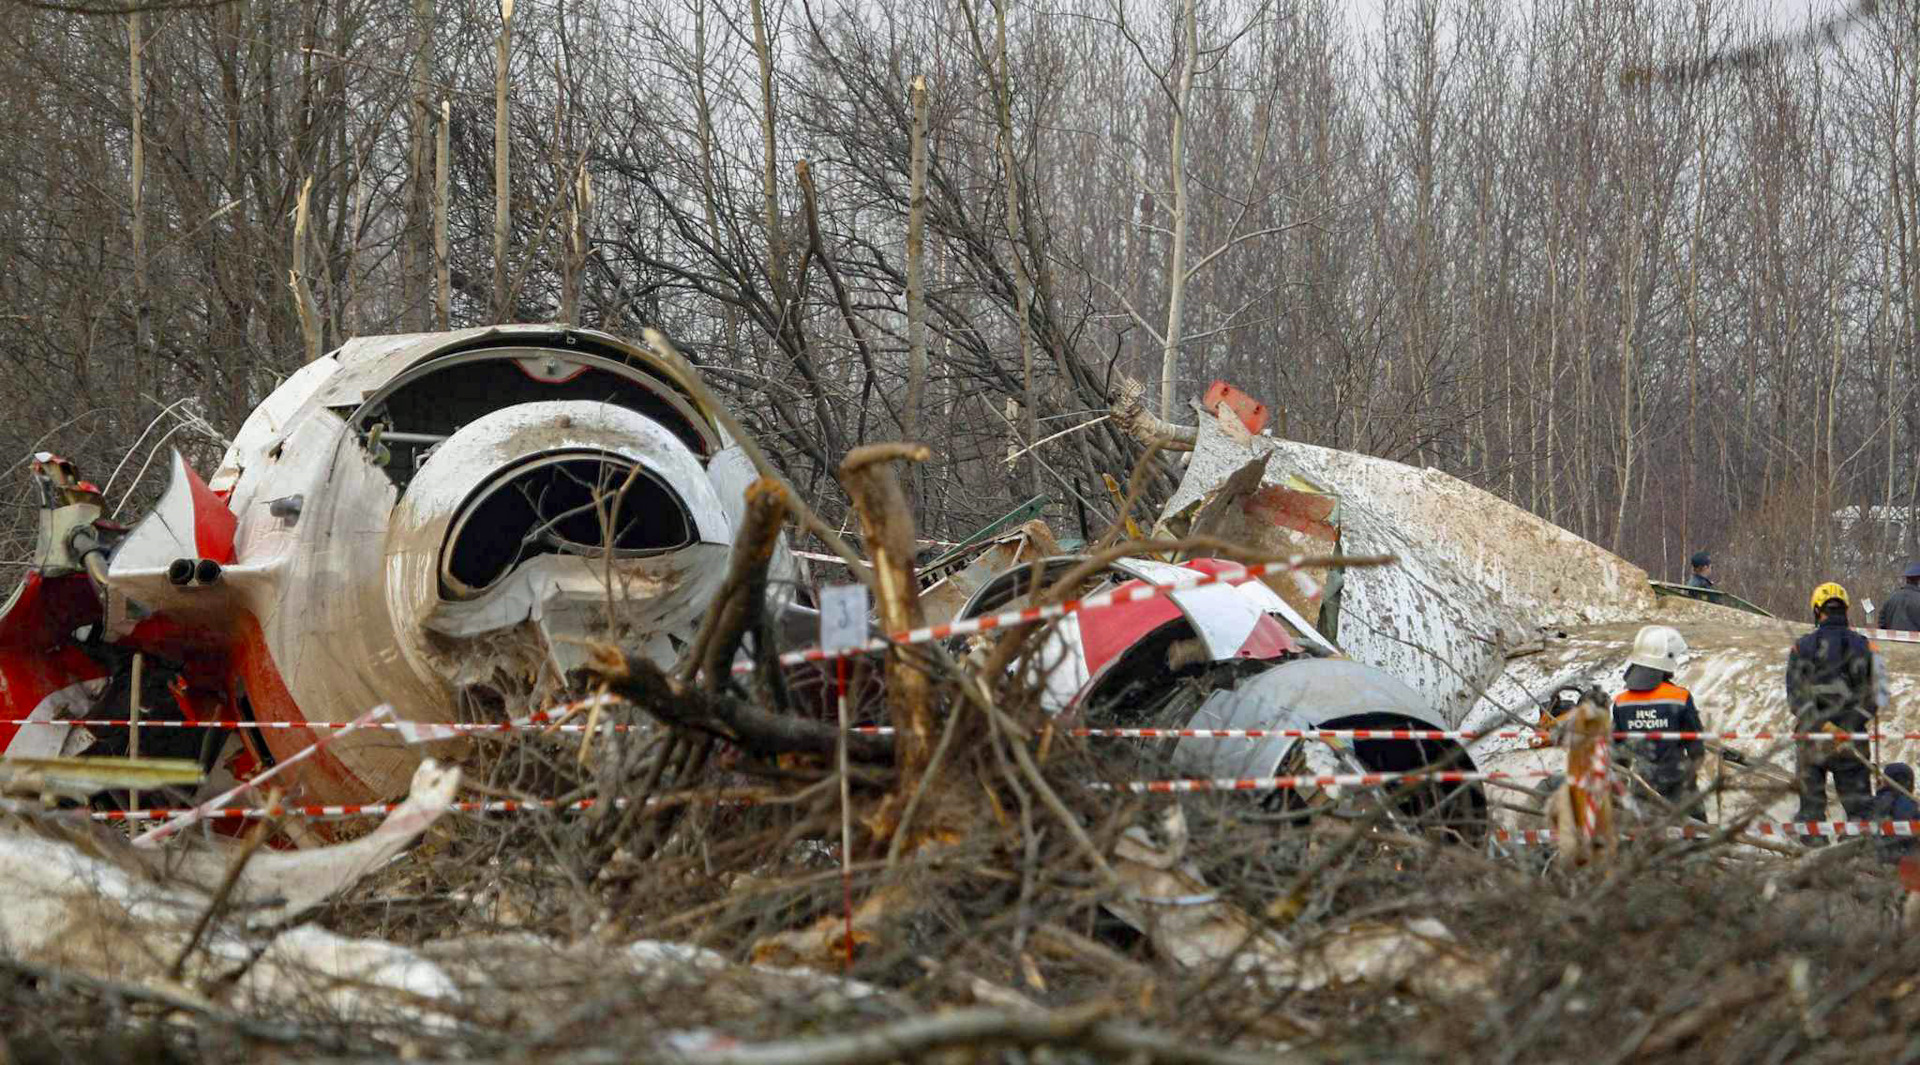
pixel 884 514
pixel 741 602
pixel 1583 808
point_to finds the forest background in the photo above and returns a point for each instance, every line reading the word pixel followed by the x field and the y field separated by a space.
pixel 1666 313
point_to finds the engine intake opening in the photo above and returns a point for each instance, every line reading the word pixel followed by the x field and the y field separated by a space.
pixel 560 504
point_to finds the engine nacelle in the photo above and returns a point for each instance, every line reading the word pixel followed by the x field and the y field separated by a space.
pixel 574 516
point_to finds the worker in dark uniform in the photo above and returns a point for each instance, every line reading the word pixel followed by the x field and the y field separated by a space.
pixel 1835 683
pixel 1653 703
pixel 1702 571
pixel 1894 802
pixel 1902 612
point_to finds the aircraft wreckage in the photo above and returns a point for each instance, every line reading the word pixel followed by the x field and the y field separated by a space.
pixel 408 520
pixel 434 520
pixel 1490 612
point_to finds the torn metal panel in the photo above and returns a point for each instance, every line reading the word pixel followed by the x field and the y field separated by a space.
pixel 281 885
pixel 92 905
pixel 51 740
pixel 1081 652
pixel 947 595
pixel 1475 575
pixel 1291 517
pixel 1719 596
pixel 1308 694
pixel 1222 616
pixel 1223 656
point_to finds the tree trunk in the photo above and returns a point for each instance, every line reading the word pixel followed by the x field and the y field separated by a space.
pixel 417 246
pixel 1177 167
pixel 442 200
pixel 877 497
pixel 142 298
pixel 916 262
pixel 502 189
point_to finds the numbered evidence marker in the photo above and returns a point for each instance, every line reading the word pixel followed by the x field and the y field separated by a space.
pixel 843 617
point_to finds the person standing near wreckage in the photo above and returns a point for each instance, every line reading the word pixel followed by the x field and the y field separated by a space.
pixel 1702 571
pixel 1654 703
pixel 1902 612
pixel 1837 684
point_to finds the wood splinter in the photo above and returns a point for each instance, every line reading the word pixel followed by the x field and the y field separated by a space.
pixel 887 520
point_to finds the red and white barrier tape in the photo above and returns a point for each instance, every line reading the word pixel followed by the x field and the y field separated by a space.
pixel 1264 733
pixel 415 731
pixel 372 809
pixel 545 721
pixel 154 835
pixel 1029 615
pixel 1796 737
pixel 1772 829
pixel 213 811
pixel 1324 780
pixel 382 809
pixel 1462 735
pixel 1294 734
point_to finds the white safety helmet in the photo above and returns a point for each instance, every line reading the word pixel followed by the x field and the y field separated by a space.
pixel 1658 647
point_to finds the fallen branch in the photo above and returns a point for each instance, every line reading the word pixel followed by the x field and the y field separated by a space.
pixel 254 1028
pixel 1131 414
pixel 227 883
pixel 641 682
pixel 914 1036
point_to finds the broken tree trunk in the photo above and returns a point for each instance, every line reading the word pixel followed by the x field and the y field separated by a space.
pixel 1583 808
pixel 417 261
pixel 884 515
pixel 738 607
pixel 304 304
pixel 1130 413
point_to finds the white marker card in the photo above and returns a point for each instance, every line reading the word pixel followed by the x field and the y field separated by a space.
pixel 843 616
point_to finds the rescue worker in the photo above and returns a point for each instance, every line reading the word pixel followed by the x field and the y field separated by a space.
pixel 1894 802
pixel 1702 571
pixel 1902 612
pixel 1835 683
pixel 1653 703
pixel 1558 709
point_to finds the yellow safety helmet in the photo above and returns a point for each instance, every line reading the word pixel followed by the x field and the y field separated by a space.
pixel 1830 591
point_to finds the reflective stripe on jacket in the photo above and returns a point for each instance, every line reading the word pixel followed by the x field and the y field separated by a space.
pixel 1666 707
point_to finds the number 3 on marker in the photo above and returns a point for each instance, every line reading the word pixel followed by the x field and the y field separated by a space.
pixel 843 616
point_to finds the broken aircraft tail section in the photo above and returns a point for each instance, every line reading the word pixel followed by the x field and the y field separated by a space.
pixel 402 521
